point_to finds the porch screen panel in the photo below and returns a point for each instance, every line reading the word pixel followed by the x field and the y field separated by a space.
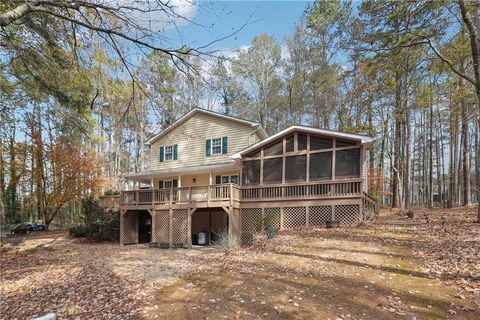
pixel 272 170
pixel 347 163
pixel 320 166
pixel 274 149
pixel 295 168
pixel 289 143
pixel 251 172
pixel 302 141
pixel 317 143
pixel 344 143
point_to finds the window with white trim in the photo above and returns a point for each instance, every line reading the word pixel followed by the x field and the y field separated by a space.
pixel 229 179
pixel 168 153
pixel 217 146
pixel 167 184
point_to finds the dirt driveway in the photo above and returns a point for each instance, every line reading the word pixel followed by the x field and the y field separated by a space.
pixel 384 270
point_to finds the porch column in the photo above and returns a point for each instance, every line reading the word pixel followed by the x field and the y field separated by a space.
pixel 179 180
pixel 210 178
pixel 151 183
pixel 122 227
pixel 189 228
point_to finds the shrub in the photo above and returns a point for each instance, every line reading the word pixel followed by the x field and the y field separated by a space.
pixel 111 192
pixel 97 224
pixel 227 242
pixel 77 231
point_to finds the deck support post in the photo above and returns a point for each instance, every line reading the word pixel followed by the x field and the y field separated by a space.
pixel 281 218
pixel 189 228
pixel 170 226
pixel 122 226
pixel 307 215
pixel 152 216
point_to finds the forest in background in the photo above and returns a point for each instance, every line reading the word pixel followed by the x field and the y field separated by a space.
pixel 75 113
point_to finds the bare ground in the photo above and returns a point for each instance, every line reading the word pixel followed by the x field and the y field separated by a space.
pixel 393 269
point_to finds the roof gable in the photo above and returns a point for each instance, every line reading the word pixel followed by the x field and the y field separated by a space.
pixel 329 133
pixel 195 111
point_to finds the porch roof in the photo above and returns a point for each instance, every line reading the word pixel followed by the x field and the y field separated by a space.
pixel 144 177
pixel 364 140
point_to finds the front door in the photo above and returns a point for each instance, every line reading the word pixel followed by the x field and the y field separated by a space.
pixel 144 227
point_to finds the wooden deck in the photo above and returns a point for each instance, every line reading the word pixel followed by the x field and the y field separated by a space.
pixel 291 205
pixel 230 195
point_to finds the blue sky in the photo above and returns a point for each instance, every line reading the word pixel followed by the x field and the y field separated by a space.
pixel 216 19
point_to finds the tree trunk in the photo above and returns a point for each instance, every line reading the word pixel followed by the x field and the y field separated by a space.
pixel 398 115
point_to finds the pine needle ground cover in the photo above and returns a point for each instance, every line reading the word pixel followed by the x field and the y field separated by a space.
pixel 395 268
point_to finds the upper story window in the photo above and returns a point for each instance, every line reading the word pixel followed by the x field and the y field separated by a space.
pixel 216 146
pixel 169 153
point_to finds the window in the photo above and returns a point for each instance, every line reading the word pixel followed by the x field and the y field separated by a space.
pixel 317 143
pixel 272 170
pixel 168 153
pixel 320 166
pixel 251 172
pixel 217 146
pixel 347 163
pixel 229 179
pixel 295 168
pixel 274 149
pixel 302 142
pixel 167 184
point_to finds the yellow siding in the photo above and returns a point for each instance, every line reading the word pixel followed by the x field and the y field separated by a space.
pixel 201 179
pixel 191 136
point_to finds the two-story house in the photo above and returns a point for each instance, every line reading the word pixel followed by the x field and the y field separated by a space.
pixel 210 173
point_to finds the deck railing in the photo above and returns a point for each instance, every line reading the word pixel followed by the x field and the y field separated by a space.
pixel 178 195
pixel 317 190
pixel 231 192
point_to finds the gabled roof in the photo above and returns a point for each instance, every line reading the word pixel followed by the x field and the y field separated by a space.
pixel 194 111
pixel 330 133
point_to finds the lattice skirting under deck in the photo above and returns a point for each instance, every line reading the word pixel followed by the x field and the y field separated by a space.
pixel 129 226
pixel 318 215
pixel 161 234
pixel 348 214
pixel 253 219
pixel 180 227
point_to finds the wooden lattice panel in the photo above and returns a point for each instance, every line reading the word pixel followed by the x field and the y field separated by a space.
pixel 318 215
pixel 130 228
pixel 249 223
pixel 180 227
pixel 272 217
pixel 161 233
pixel 294 217
pixel 348 214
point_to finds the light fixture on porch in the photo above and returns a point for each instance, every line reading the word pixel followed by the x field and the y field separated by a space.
pixel 194 180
